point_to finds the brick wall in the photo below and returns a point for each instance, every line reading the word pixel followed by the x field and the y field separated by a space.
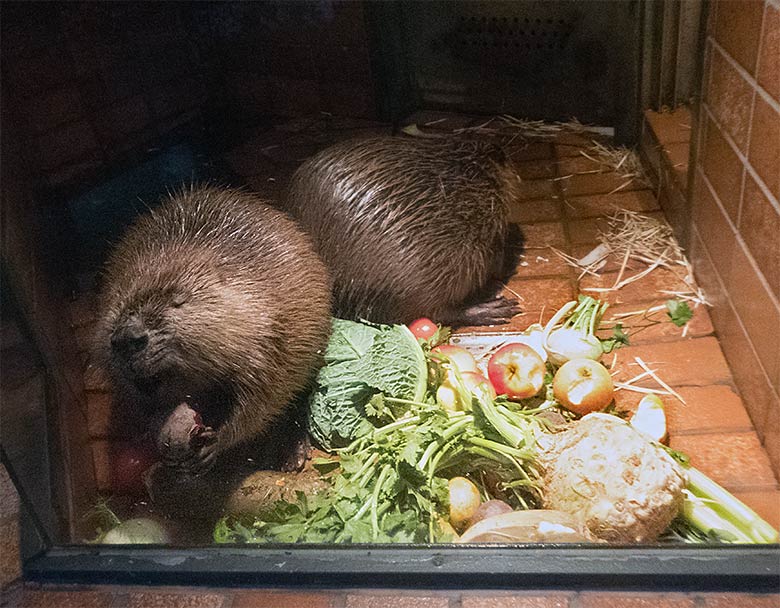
pixel 735 226
pixel 93 84
pixel 294 58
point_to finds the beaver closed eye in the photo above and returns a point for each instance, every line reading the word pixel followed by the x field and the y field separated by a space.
pixel 411 227
pixel 217 300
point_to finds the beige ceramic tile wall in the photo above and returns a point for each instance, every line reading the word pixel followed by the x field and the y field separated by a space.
pixel 735 209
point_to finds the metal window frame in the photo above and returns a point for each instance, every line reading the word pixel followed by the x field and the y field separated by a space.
pixel 725 568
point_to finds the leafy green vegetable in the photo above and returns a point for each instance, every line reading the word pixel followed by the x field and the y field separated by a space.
pixel 679 312
pixel 619 338
pixel 362 361
pixel 442 336
pixel 392 482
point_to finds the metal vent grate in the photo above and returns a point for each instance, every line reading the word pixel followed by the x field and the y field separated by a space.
pixel 536 34
pixel 531 58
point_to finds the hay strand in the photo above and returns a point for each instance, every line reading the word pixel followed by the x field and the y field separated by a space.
pixel 655 377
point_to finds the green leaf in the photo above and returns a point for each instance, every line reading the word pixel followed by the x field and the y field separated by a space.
pixel 679 312
pixel 376 407
pixel 362 360
pixel 441 336
pixel 619 338
pixel 413 449
pixel 349 340
pixel 325 465
pixel 395 364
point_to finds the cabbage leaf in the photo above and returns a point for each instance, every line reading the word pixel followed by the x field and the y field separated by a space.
pixel 362 360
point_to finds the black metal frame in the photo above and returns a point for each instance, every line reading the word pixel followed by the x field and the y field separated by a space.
pixel 656 568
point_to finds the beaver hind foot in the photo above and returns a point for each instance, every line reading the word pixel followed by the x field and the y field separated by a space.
pixel 497 311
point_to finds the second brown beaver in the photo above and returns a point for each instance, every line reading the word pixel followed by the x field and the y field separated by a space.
pixel 411 227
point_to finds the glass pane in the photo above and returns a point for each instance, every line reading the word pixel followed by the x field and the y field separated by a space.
pixel 245 307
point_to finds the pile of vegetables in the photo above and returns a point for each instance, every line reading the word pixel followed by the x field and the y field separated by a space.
pixel 426 448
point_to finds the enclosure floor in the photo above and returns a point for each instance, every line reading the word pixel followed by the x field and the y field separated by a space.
pixel 564 201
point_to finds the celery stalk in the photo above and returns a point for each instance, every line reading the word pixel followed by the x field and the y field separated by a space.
pixel 702 517
pixel 716 508
pixel 510 433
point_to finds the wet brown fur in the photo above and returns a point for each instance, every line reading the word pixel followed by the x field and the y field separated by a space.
pixel 408 227
pixel 236 303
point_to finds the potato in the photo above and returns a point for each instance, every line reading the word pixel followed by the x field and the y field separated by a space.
pixel 262 489
pixel 487 509
pixel 464 501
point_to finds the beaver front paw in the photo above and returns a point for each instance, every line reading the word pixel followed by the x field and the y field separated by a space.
pixel 185 443
pixel 295 456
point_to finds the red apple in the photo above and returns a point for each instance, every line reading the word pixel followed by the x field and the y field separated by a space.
pixel 127 463
pixel 448 396
pixel 423 328
pixel 473 379
pixel 583 386
pixel 516 370
pixel 458 356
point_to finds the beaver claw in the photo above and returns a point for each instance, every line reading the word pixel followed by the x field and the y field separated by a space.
pixel 200 456
pixel 296 456
pixel 497 311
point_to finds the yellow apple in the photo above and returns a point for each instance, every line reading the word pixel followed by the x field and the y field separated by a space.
pixel 583 386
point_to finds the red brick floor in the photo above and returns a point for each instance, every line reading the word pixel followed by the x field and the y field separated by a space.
pixel 35 596
pixel 565 208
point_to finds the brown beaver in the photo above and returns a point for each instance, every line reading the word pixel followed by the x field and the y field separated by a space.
pixel 216 300
pixel 411 227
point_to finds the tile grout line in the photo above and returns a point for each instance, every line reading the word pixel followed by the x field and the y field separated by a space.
pixel 738 237
pixel 119 598
pixel 736 316
pixel 743 159
pixel 338 599
pixel 747 156
pixel 753 103
pixel 574 600
pixel 718 430
pixel 745 74
pixel 228 598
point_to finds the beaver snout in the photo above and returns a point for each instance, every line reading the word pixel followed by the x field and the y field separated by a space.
pixel 131 337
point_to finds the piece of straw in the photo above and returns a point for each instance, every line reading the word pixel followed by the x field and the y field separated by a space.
pixel 655 377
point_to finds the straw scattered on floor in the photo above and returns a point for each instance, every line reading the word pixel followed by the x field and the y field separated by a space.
pixel 632 236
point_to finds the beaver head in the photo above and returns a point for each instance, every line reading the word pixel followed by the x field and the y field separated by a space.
pixel 172 328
